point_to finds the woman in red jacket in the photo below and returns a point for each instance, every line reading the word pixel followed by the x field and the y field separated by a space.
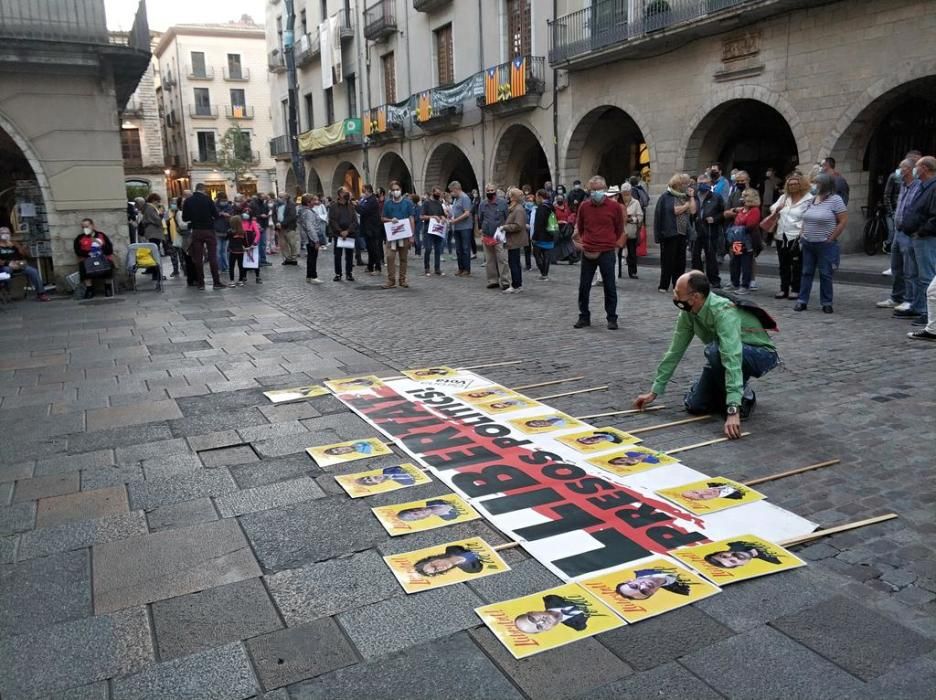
pixel 91 244
pixel 744 240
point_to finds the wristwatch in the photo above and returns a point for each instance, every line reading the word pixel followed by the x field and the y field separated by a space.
pixel 732 409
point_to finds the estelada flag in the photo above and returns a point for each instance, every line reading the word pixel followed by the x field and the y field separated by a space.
pixel 490 86
pixel 518 77
pixel 423 107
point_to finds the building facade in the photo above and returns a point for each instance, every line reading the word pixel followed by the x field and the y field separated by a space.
pixel 215 108
pixel 63 78
pixel 503 91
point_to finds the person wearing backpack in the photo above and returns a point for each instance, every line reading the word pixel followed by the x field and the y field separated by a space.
pixel 545 230
pixel 737 347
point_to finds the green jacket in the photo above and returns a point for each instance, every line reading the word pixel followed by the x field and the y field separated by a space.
pixel 717 321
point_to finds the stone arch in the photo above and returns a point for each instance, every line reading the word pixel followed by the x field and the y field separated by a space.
pixel 313 181
pixel 391 166
pixel 8 128
pixel 690 154
pixel 448 162
pixel 519 158
pixel 346 175
pixel 597 143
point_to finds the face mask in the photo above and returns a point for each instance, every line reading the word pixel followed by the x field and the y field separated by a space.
pixel 916 174
pixel 87 230
pixel 437 196
pixel 715 174
pixel 598 196
pixel 491 195
pixel 897 173
pixel 576 187
pixel 173 207
pixel 396 194
pixel 705 187
pixel 682 305
pixel 733 178
pixel 245 217
pixel 814 189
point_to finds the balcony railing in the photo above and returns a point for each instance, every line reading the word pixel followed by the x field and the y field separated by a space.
pixel 239 75
pixel 201 74
pixel 590 36
pixel 169 81
pixel 203 111
pixel 307 48
pixel 134 108
pixel 380 20
pixel 429 5
pixel 276 61
pixel 212 158
pixel 345 26
pixel 382 122
pixel 279 146
pixel 238 111
pixel 513 86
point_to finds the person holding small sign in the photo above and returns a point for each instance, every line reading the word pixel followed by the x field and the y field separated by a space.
pixel 397 209
pixel 433 214
pixel 342 226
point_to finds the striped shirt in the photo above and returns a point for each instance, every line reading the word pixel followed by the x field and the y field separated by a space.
pixel 819 220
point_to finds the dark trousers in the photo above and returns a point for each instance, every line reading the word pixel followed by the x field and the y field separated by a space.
pixel 236 260
pixel 672 260
pixel 348 260
pixel 604 262
pixel 516 272
pixel 375 254
pixel 707 394
pixel 311 261
pixel 188 267
pixel 433 245
pixel 543 257
pixel 705 257
pixel 527 255
pixel 790 258
pixel 741 268
pixel 204 243
pixel 463 239
pixel 632 257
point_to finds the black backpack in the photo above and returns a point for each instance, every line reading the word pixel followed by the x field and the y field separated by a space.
pixel 766 320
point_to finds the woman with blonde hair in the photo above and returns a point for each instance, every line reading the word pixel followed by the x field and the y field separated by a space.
pixel 788 212
pixel 671 222
pixel 517 237
pixel 744 240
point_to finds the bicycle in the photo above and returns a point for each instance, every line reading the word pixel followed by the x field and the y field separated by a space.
pixel 875 230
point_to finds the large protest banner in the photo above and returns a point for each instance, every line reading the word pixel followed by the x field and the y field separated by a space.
pixel 575 517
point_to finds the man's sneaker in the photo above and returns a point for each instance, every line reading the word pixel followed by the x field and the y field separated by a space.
pixel 887 272
pixel 921 335
pixel 490 286
pixel 612 325
pixel 888 304
pixel 903 307
pixel 174 274
pixel 218 286
pixel 908 314
pixel 259 281
pixel 582 323
pixel 336 278
pixel 541 278
pixel 753 285
pixel 232 285
pixel 314 280
pixel 741 290
pixel 350 278
pixel 509 290
pixel 748 402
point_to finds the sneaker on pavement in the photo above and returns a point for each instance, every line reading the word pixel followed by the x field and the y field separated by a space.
pixel 582 323
pixel 903 307
pixel 509 290
pixel 921 335
pixel 887 272
pixel 909 313
pixel 612 325
pixel 753 285
pixel 888 304
pixel 218 286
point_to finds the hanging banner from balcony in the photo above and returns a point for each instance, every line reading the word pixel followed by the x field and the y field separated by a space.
pixel 385 118
pixel 334 43
pixel 431 103
pixel 322 137
pixel 506 81
pixel 326 55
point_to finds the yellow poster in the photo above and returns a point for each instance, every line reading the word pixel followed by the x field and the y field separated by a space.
pixel 487 393
pixel 382 480
pixel 418 516
pixel 353 385
pixel 652 588
pixel 445 564
pixel 710 495
pixel 737 559
pixel 546 620
pixel 598 440
pixel 633 460
pixel 506 404
pixel 545 423
pixel 430 373
pixel 297 393
pixel 327 455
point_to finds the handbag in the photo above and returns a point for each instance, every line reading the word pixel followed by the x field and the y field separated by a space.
pixel 769 223
pixel 97 266
pixel 642 242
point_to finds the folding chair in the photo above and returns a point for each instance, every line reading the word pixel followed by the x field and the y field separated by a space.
pixel 132 267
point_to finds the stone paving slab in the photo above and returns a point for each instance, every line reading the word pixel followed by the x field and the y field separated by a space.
pixel 216 420
pixel 666 681
pixel 69 536
pixel 87 505
pixel 10 472
pixel 168 465
pixel 75 654
pixel 152 493
pixel 198 510
pixel 148 412
pixel 44 591
pixel 8 546
pixel 93 691
pixel 43 486
pixel 105 477
pixel 228 456
pixel 74 462
pixel 17 518
pixel 269 471
pixel 158 448
pixel 269 496
pixel 214 441
pixel 222 673
pixel 170 563
pixel 212 617
pixel 912 681
pixel 119 438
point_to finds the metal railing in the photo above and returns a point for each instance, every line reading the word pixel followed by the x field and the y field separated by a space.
pixel 212 157
pixel 134 107
pixel 307 47
pixel 276 61
pixel 242 74
pixel 380 19
pixel 238 111
pixel 203 111
pixel 206 74
pixel 279 146
pixel 525 75
pixel 381 120
pixel 607 22
pixel 429 5
pixel 169 81
pixel 345 25
pixel 71 21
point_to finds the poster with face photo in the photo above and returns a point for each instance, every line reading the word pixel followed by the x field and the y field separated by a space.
pixel 632 460
pixel 419 516
pixel 354 385
pixel 382 480
pixel 298 393
pixel 598 440
pixel 429 374
pixel 339 453
pixel 445 564
pixel 492 392
pixel 650 588
pixel 711 495
pixel 547 620
pixel 507 404
pixel 545 423
pixel 737 559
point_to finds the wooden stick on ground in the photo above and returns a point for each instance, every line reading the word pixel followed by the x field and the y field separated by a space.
pixel 835 530
pixel 554 381
pixel 506 545
pixel 700 444
pixel 493 364
pixel 671 424
pixel 571 393
pixel 628 412
pixel 791 472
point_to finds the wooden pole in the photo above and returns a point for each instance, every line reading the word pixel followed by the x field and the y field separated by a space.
pixel 506 545
pixel 628 412
pixel 555 381
pixel 493 364
pixel 571 393
pixel 699 444
pixel 791 472
pixel 837 529
pixel 671 424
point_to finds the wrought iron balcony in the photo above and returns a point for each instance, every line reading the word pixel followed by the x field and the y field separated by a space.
pixel 133 108
pixel 213 159
pixel 239 75
pixel 203 111
pixel 380 20
pixel 345 26
pixel 206 73
pixel 307 47
pixel 279 147
pixel 238 112
pixel 429 5
pixel 514 86
pixel 383 123
pixel 276 61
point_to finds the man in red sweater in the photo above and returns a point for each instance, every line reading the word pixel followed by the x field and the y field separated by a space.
pixel 599 231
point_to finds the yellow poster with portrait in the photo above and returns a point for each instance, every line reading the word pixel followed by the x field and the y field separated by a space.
pixel 545 423
pixel 651 588
pixel 383 480
pixel 737 559
pixel 427 374
pixel 354 385
pixel 445 564
pixel 710 495
pixel 598 440
pixel 472 397
pixel 341 452
pixel 419 516
pixel 298 393
pixel 507 404
pixel 547 620
pixel 632 460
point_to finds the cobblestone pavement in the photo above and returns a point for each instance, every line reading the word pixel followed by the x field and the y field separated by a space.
pixel 162 534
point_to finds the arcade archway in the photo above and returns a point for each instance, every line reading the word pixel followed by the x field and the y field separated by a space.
pixel 519 159
pixel 446 163
pixel 347 176
pixel 313 182
pixel 607 142
pixel 393 167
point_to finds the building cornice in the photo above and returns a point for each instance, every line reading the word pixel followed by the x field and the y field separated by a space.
pixel 207 31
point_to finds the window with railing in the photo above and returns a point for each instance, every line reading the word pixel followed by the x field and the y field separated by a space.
pixel 445 59
pixel 202 102
pixel 207 150
pixel 330 106
pixel 235 69
pixel 309 110
pixel 199 69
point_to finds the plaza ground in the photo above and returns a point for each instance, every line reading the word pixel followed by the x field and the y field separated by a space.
pixel 163 534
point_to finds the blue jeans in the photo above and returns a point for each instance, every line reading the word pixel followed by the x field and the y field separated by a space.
pixel 741 267
pixel 222 253
pixel 825 256
pixel 605 263
pixel 516 272
pixel 262 244
pixel 463 248
pixel 32 274
pixel 924 250
pixel 902 288
pixel 433 244
pixel 707 394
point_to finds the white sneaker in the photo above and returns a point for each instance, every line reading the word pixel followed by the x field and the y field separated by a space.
pixel 887 304
pixel 902 307
pixel 518 290
pixel 313 280
pixel 509 290
pixel 887 273
pixel 753 285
